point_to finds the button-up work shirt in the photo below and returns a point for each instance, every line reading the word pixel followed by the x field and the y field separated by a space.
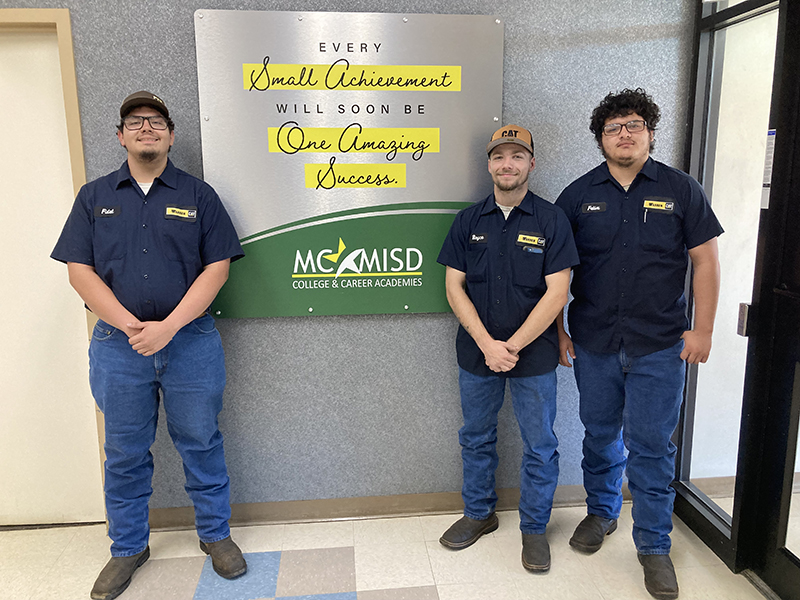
pixel 629 286
pixel 150 248
pixel 505 262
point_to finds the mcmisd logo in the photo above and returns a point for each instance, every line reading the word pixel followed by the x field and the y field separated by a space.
pixel 325 268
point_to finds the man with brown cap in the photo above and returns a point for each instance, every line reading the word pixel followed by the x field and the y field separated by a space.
pixel 147 248
pixel 508 260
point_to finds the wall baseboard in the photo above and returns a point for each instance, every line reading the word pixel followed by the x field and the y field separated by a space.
pixel 369 507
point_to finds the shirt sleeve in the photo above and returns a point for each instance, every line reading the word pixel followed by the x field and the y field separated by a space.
pixel 561 251
pixel 453 253
pixel 219 238
pixel 700 224
pixel 75 242
pixel 566 202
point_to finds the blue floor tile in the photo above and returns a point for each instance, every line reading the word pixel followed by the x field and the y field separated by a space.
pixel 260 581
pixel 341 596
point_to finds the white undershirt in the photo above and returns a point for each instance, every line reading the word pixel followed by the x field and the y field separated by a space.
pixel 626 187
pixel 145 186
pixel 506 209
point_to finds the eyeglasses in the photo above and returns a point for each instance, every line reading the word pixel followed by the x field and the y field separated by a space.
pixel 631 126
pixel 134 123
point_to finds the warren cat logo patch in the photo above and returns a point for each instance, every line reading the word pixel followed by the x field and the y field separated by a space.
pixel 181 213
pixel 531 241
pixel 654 203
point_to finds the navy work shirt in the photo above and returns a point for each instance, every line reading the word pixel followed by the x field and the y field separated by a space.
pixel 148 249
pixel 629 287
pixel 505 262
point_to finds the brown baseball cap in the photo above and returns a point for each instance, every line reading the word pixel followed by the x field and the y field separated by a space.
pixel 143 99
pixel 511 134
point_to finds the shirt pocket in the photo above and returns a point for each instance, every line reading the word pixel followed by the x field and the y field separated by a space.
pixel 596 231
pixel 661 232
pixel 527 267
pixel 109 239
pixel 476 265
pixel 181 240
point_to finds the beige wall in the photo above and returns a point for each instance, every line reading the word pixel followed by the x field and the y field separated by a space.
pixel 49 458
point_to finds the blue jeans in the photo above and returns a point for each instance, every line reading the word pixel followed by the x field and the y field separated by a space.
pixel 635 401
pixel 189 372
pixel 534 400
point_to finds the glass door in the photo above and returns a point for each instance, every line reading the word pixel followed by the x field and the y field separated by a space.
pixel 738 473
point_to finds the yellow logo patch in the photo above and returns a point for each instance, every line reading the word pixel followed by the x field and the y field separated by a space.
pixel 181 213
pixel 531 240
pixel 657 205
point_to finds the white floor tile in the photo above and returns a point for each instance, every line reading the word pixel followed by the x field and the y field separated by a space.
pixel 307 536
pixel 688 550
pixel 259 538
pixel 384 566
pixel 509 524
pixel 714 583
pixel 564 562
pixel 479 591
pixel 478 563
pixel 387 531
pixel 175 544
pixel 434 526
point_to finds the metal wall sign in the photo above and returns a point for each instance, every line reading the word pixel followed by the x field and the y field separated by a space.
pixel 343 144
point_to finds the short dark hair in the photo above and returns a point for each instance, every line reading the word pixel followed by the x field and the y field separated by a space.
pixel 170 124
pixel 622 104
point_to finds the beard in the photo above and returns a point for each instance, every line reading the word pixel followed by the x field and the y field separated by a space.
pixel 508 186
pixel 148 155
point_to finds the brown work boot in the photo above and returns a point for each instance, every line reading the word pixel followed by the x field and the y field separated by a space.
pixel 466 531
pixel 117 574
pixel 535 552
pixel 659 576
pixel 226 558
pixel 590 533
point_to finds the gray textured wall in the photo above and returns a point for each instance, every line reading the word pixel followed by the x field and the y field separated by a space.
pixel 325 407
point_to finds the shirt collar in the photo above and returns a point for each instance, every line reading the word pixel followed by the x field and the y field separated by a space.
pixel 168 177
pixel 526 205
pixel 602 174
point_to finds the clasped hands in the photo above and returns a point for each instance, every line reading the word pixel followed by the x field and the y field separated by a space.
pixel 501 356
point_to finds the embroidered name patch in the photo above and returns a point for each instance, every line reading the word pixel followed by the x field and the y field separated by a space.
pixel 478 238
pixel 526 238
pixel 593 207
pixel 665 205
pixel 107 211
pixel 181 213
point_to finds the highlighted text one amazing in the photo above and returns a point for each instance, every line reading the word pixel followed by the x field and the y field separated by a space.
pixel 290 138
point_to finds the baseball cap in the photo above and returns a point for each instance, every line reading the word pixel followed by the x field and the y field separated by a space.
pixel 511 134
pixel 143 98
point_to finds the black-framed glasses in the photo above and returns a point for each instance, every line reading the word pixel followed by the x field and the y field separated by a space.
pixel 134 123
pixel 632 127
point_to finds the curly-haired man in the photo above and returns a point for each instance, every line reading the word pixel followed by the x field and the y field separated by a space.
pixel 636 223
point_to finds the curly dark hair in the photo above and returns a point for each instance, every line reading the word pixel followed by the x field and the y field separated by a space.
pixel 622 104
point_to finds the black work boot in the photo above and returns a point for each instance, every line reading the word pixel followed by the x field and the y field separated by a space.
pixel 226 558
pixel 535 552
pixel 659 576
pixel 466 531
pixel 116 575
pixel 590 533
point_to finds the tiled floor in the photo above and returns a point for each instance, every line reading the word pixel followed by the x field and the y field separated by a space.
pixel 793 527
pixel 385 559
